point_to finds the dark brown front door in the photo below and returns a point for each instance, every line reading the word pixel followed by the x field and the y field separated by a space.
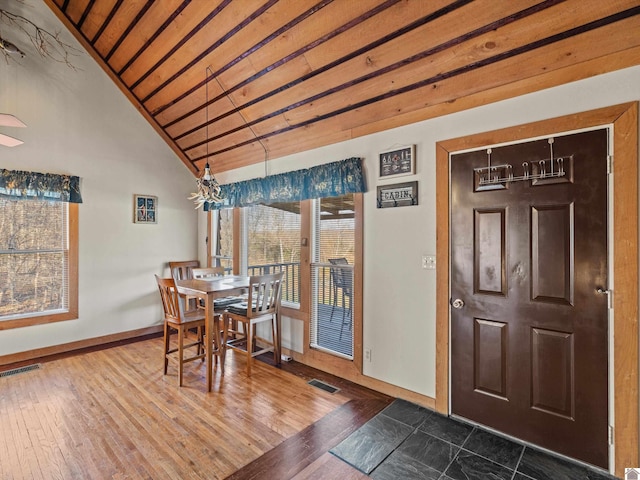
pixel 529 273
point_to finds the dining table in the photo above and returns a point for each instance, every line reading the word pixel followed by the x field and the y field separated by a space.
pixel 208 289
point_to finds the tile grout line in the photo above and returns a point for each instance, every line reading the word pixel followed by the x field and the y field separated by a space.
pixel 415 429
pixel 490 459
pixel 460 448
pixel 515 469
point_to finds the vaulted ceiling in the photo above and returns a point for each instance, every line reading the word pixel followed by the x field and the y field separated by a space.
pixel 239 81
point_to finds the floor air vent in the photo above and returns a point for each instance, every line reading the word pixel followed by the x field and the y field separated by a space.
pixel 16 371
pixel 323 386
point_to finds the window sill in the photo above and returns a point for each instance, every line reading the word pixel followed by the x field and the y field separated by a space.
pixel 37 320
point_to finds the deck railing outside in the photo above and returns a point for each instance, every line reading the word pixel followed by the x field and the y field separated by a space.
pixel 333 308
pixel 291 279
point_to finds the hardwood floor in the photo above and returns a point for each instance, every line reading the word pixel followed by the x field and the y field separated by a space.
pixel 111 414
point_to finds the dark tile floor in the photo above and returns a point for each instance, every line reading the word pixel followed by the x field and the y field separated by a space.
pixel 406 441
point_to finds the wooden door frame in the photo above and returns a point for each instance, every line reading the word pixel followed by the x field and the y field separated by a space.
pixel 624 119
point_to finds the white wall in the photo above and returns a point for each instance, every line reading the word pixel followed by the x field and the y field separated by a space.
pixel 79 123
pixel 399 296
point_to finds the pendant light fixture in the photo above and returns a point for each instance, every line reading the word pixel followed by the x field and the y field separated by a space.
pixel 209 190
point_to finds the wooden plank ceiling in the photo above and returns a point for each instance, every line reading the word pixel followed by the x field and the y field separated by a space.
pixel 240 81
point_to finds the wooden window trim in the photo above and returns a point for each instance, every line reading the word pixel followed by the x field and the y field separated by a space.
pixel 72 313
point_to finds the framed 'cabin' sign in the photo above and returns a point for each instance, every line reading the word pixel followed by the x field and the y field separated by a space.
pixel 397 195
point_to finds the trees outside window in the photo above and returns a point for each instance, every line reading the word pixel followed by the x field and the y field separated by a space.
pixel 38 262
pixel 222 234
pixel 272 244
pixel 315 243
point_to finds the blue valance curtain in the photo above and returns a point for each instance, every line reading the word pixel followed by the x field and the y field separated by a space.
pixel 328 180
pixel 18 185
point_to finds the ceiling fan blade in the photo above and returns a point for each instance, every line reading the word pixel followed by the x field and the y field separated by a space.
pixel 8 120
pixel 8 141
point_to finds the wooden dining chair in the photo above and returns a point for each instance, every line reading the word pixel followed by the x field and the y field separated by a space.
pixel 184 271
pixel 342 278
pixel 176 318
pixel 262 305
pixel 220 304
pixel 209 272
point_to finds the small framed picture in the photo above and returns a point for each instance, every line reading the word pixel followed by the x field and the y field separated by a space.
pixel 397 162
pixel 145 209
pixel 398 195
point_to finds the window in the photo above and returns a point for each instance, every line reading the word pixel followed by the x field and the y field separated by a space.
pixel 271 239
pixel 38 262
pixel 317 243
pixel 332 275
pixel 222 233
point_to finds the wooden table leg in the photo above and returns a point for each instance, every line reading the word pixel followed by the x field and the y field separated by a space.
pixel 278 339
pixel 225 336
pixel 208 312
pixel 219 341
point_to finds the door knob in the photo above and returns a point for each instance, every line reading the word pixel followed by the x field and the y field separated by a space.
pixel 457 303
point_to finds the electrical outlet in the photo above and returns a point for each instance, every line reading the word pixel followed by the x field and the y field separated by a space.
pixel 429 262
pixel 367 354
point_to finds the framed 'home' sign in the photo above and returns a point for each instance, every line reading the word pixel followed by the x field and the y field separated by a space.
pixel 397 162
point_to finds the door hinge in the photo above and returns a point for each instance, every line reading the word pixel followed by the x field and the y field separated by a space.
pixel 609 164
pixel 610 434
